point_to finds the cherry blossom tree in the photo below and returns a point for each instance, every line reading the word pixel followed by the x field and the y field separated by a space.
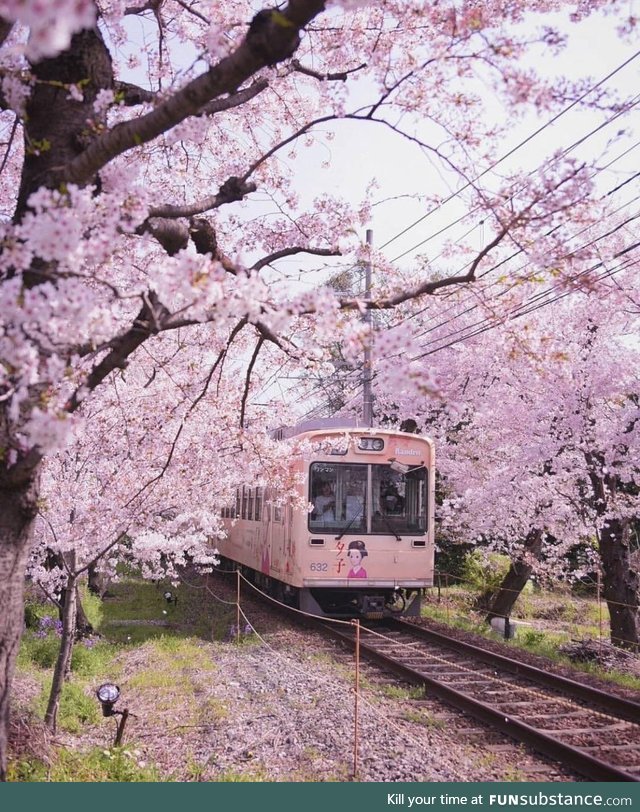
pixel 539 435
pixel 130 207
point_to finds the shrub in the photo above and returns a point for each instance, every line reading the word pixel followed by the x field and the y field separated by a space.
pixel 485 571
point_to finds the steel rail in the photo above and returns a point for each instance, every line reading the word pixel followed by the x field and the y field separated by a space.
pixel 623 708
pixel 572 757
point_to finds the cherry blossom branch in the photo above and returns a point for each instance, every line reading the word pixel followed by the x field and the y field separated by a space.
pixel 192 10
pixel 341 76
pixel 232 190
pixel 272 37
pixel 247 379
pixel 219 360
pixel 287 252
pixel 147 323
pixel 102 552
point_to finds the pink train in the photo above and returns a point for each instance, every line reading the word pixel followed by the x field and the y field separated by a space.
pixel 361 544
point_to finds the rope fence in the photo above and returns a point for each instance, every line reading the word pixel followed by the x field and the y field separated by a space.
pixel 244 585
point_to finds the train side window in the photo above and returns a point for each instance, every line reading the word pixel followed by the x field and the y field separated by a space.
pixel 245 499
pixel 258 513
pixel 277 510
pixel 250 505
pixel 237 514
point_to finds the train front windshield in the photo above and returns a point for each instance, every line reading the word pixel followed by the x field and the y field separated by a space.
pixel 367 498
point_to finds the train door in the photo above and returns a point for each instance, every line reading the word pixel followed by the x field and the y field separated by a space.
pixel 278 537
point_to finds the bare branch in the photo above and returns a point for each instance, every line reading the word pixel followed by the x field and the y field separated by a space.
pixel 340 76
pixel 247 381
pixel 298 249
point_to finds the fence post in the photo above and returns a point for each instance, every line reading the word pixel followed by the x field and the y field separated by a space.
pixel 599 586
pixel 446 586
pixel 238 608
pixel 357 694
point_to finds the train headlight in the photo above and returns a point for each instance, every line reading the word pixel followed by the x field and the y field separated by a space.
pixel 370 443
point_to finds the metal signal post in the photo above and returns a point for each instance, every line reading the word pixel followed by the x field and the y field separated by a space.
pixel 367 406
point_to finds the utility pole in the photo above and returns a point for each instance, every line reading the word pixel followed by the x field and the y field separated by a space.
pixel 367 406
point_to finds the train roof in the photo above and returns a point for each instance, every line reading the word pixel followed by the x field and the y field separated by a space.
pixel 335 424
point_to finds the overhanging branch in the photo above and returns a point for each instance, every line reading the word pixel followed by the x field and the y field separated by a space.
pixel 273 36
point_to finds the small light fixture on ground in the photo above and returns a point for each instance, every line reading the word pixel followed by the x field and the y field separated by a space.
pixel 171 598
pixel 108 694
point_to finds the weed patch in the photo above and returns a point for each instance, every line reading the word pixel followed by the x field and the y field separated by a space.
pixel 119 764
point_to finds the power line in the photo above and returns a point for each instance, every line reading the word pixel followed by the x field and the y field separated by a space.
pixel 558 157
pixel 508 154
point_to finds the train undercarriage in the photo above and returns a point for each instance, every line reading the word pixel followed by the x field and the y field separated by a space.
pixel 342 602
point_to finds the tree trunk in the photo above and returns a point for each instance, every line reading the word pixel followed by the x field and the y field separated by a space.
pixel 64 655
pixel 516 579
pixel 98 582
pixel 17 510
pixel 621 584
pixel 83 625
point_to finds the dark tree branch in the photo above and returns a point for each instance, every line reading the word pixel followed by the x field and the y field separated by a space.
pixel 247 381
pixel 235 99
pixel 340 76
pixel 272 37
pixel 132 95
pixel 150 5
pixel 148 322
pixel 287 252
pixel 172 235
pixel 203 235
pixel 6 27
pixel 231 191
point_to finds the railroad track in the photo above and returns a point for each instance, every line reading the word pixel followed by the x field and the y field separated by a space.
pixel 585 729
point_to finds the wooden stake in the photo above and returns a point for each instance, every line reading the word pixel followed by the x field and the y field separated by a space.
pixel 238 609
pixel 357 694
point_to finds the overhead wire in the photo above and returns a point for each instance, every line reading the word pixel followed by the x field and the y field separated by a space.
pixel 514 149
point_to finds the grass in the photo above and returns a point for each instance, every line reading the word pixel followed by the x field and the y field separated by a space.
pixel 556 617
pixel 400 692
pixel 423 718
pixel 118 764
pixel 172 654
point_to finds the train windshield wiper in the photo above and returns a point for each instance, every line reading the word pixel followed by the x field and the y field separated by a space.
pixel 392 530
pixel 346 529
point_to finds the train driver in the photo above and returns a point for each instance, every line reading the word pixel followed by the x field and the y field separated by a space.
pixel 324 505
